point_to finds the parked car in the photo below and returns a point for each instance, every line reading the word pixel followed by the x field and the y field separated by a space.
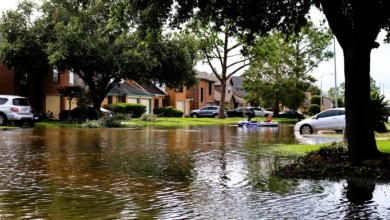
pixel 291 114
pixel 260 112
pixel 15 109
pixel 240 112
pixel 208 111
pixel 331 119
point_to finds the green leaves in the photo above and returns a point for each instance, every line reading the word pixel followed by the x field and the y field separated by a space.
pixel 280 74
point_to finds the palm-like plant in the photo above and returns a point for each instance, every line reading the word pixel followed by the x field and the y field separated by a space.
pixel 379 112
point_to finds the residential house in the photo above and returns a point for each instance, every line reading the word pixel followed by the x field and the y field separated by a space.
pixel 229 102
pixel 306 103
pixel 40 91
pixel 326 103
pixel 202 94
pixel 238 92
pixel 165 96
pixel 126 92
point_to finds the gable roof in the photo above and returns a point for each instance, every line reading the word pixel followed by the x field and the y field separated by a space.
pixel 126 88
pixel 206 76
pixel 153 89
pixel 237 84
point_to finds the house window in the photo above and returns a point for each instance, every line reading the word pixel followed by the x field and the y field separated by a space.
pixel 210 88
pixel 56 75
pixel 71 77
pixel 109 99
pixel 201 94
pixel 229 89
pixel 156 103
pixel 23 79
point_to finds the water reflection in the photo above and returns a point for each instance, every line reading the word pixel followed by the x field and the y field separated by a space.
pixel 158 173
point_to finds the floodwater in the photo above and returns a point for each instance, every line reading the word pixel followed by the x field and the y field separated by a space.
pixel 216 172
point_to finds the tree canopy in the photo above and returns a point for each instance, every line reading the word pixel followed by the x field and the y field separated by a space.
pixel 355 24
pixel 88 38
pixel 281 75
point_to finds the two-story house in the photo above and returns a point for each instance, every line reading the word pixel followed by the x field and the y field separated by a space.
pixel 202 94
pixel 40 91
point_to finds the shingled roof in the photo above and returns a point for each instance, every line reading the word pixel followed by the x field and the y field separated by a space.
pixel 126 88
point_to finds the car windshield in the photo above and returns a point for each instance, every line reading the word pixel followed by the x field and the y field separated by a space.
pixel 20 102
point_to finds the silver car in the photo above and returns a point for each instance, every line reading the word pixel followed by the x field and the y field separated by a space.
pixel 208 111
pixel 331 119
pixel 15 109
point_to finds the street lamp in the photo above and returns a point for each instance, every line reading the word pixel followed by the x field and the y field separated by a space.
pixel 334 58
pixel 335 78
pixel 321 89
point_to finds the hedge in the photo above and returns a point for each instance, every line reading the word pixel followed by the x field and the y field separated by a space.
pixel 127 108
pixel 168 111
pixel 314 109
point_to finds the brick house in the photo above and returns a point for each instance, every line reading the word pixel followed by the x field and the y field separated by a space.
pixel 229 102
pixel 202 94
pixel 129 93
pixel 40 91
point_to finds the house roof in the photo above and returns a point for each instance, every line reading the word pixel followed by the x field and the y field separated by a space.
pixel 237 82
pixel 153 89
pixel 217 96
pixel 238 99
pixel 207 76
pixel 126 88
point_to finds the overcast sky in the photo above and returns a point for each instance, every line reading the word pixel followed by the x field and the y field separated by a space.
pixel 380 66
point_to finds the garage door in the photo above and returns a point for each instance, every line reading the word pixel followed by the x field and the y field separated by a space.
pixel 180 105
pixel 132 100
pixel 53 104
pixel 147 103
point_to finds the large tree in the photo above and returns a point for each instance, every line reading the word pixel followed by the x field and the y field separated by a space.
pixel 102 50
pixel 281 76
pixel 356 25
pixel 22 45
pixel 222 49
pixel 87 38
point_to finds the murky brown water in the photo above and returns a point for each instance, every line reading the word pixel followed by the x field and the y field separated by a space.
pixel 216 172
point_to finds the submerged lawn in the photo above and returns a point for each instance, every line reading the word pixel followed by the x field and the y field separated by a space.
pixel 294 150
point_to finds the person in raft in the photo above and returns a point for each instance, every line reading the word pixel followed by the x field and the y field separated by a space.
pixel 268 119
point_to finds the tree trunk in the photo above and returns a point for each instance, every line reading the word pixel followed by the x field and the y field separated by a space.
pixel 359 130
pixel 222 102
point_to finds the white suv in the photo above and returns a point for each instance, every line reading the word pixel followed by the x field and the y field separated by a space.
pixel 15 109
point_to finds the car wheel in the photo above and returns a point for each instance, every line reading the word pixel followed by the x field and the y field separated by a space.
pixel 3 119
pixel 216 116
pixel 306 129
pixel 195 115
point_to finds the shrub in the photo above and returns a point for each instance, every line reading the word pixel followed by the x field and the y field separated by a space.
pixel 103 122
pixel 177 113
pixel 315 99
pixel 148 117
pixel 127 108
pixel 314 109
pixel 168 111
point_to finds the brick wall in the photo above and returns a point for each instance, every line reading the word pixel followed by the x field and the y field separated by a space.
pixel 195 94
pixel 176 96
pixel 7 82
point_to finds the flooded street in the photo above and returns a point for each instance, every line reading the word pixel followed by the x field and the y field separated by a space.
pixel 215 172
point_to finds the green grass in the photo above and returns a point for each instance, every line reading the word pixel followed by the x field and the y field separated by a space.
pixel 55 123
pixel 297 150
